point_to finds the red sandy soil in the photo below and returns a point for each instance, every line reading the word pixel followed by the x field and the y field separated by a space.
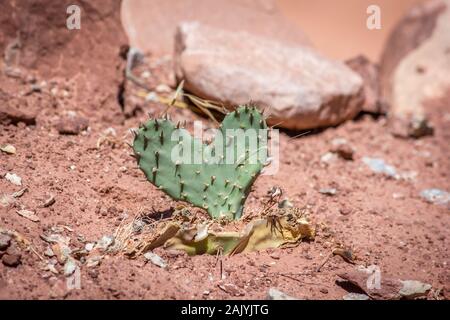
pixel 405 236
pixel 325 22
pixel 384 221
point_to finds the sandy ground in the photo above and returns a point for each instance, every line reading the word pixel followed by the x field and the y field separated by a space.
pixel 382 220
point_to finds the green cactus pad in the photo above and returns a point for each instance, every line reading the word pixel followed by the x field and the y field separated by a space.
pixel 216 177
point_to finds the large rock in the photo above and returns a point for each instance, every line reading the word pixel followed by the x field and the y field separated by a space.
pixel 301 88
pixel 415 66
pixel 151 24
pixel 35 41
pixel 5 241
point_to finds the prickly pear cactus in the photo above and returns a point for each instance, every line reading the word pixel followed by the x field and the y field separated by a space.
pixel 216 177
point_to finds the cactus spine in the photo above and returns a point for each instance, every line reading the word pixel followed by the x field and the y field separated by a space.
pixel 214 183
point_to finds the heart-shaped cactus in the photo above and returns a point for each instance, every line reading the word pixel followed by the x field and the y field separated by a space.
pixel 216 177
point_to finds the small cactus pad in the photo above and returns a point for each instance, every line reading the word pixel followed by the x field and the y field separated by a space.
pixel 216 177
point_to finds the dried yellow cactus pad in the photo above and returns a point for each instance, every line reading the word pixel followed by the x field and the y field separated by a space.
pixel 257 235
